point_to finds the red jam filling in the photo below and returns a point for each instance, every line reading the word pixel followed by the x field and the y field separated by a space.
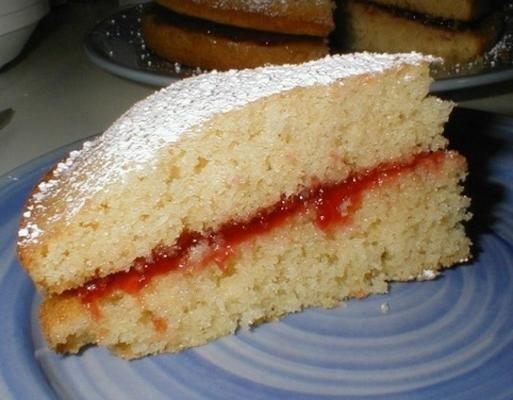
pixel 332 204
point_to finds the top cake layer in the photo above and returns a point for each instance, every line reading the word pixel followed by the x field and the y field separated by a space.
pixel 217 148
pixel 133 141
pixel 303 17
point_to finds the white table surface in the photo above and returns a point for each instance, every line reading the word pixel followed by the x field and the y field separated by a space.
pixel 59 96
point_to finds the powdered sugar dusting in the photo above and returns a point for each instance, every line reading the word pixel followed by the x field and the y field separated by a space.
pixel 133 141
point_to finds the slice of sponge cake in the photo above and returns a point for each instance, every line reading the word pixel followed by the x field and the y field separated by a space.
pixel 233 198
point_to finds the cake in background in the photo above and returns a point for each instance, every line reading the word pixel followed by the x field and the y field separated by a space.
pixel 459 31
pixel 214 34
pixel 218 34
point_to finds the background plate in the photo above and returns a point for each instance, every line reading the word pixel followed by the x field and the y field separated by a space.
pixel 116 45
pixel 451 338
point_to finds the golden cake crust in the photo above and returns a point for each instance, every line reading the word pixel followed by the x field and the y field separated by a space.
pixel 211 46
pixel 301 17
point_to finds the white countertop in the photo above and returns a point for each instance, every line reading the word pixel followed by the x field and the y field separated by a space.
pixel 59 96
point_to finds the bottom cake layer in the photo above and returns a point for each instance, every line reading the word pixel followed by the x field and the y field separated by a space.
pixel 407 227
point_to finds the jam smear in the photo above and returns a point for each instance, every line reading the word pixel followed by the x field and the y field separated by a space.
pixel 332 205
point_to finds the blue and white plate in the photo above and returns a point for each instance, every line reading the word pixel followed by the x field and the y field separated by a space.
pixel 451 338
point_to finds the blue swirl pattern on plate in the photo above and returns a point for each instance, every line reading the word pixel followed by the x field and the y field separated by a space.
pixel 450 338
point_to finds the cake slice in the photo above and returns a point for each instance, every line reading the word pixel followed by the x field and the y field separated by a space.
pixel 234 198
